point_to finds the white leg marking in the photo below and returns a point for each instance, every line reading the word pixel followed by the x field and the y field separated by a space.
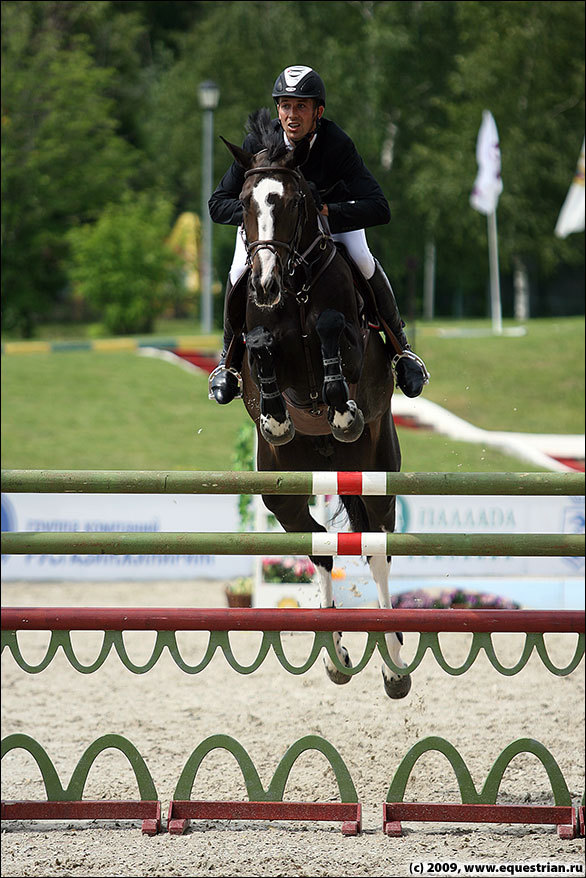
pixel 261 192
pixel 325 586
pixel 343 420
pixel 272 427
pixel 327 599
pixel 380 569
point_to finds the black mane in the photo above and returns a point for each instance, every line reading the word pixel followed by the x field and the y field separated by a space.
pixel 260 126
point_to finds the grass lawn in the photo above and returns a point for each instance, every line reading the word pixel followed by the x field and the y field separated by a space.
pixel 82 410
pixel 111 411
pixel 531 384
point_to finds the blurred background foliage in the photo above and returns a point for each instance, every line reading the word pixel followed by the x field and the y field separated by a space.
pixel 100 108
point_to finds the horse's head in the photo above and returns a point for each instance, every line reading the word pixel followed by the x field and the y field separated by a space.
pixel 275 200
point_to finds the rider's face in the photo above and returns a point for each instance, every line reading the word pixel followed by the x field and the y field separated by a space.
pixel 298 116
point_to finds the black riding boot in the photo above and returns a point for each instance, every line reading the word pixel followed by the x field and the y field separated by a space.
pixel 225 382
pixel 410 370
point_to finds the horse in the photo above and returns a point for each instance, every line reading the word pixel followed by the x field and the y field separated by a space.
pixel 317 381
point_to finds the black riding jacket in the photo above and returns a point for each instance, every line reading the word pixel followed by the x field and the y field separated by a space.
pixel 354 198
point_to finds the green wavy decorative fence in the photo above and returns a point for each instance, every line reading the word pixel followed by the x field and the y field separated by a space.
pixel 490 789
pixel 322 640
pixel 275 791
pixel 56 792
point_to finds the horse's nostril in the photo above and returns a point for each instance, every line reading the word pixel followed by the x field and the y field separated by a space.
pixel 267 293
pixel 274 285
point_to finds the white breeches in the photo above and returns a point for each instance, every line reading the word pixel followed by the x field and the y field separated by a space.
pixel 354 242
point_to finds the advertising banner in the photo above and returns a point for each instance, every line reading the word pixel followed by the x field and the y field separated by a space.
pixel 219 513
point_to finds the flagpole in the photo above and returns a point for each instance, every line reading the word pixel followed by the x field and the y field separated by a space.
pixel 484 198
pixel 495 286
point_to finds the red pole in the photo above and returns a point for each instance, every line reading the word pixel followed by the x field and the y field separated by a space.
pixel 216 619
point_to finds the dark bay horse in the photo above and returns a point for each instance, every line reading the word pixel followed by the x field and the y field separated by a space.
pixel 316 382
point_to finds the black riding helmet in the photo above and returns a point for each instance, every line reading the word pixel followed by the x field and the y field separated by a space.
pixel 300 82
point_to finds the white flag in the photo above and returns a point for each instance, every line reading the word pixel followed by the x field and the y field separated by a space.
pixel 571 218
pixel 488 184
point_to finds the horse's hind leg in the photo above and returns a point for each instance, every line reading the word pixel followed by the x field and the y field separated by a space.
pixel 383 509
pixel 327 600
pixel 293 514
pixel 345 418
pixel 396 685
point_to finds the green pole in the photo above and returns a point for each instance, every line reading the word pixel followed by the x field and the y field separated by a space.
pixel 529 545
pixel 200 482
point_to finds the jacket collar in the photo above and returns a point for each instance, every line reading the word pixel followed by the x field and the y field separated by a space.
pixel 291 145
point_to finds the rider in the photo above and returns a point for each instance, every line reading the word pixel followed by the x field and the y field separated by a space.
pixel 345 192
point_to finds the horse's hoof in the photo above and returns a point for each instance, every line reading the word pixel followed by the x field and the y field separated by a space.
pixel 276 432
pixel 353 429
pixel 339 677
pixel 397 688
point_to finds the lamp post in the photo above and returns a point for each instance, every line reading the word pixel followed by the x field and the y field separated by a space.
pixel 209 95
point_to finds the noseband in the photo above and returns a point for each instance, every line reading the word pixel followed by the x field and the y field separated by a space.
pixel 294 257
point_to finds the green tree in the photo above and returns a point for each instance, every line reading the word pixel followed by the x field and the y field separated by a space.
pixel 524 62
pixel 98 97
pixel 62 158
pixel 122 266
pixel 242 46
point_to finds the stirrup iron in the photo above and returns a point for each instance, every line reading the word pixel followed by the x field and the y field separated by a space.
pixel 409 355
pixel 219 370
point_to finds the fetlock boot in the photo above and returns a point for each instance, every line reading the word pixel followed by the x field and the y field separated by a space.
pixel 410 371
pixel 225 382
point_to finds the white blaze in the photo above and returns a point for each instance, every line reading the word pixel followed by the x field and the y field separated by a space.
pixel 261 192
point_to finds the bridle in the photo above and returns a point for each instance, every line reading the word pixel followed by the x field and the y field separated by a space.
pixel 295 259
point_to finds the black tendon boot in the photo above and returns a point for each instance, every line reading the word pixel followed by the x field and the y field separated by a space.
pixel 225 382
pixel 410 371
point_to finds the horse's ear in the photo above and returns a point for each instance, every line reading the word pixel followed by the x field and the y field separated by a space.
pixel 299 154
pixel 241 156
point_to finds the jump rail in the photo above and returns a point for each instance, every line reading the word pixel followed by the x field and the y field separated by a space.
pixel 356 483
pixel 181 543
pixel 312 483
pixel 289 619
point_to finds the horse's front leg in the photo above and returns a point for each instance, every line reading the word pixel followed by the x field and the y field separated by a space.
pixel 292 512
pixel 276 425
pixel 396 685
pixel 345 418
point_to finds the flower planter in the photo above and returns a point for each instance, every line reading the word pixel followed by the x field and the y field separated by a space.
pixel 238 600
